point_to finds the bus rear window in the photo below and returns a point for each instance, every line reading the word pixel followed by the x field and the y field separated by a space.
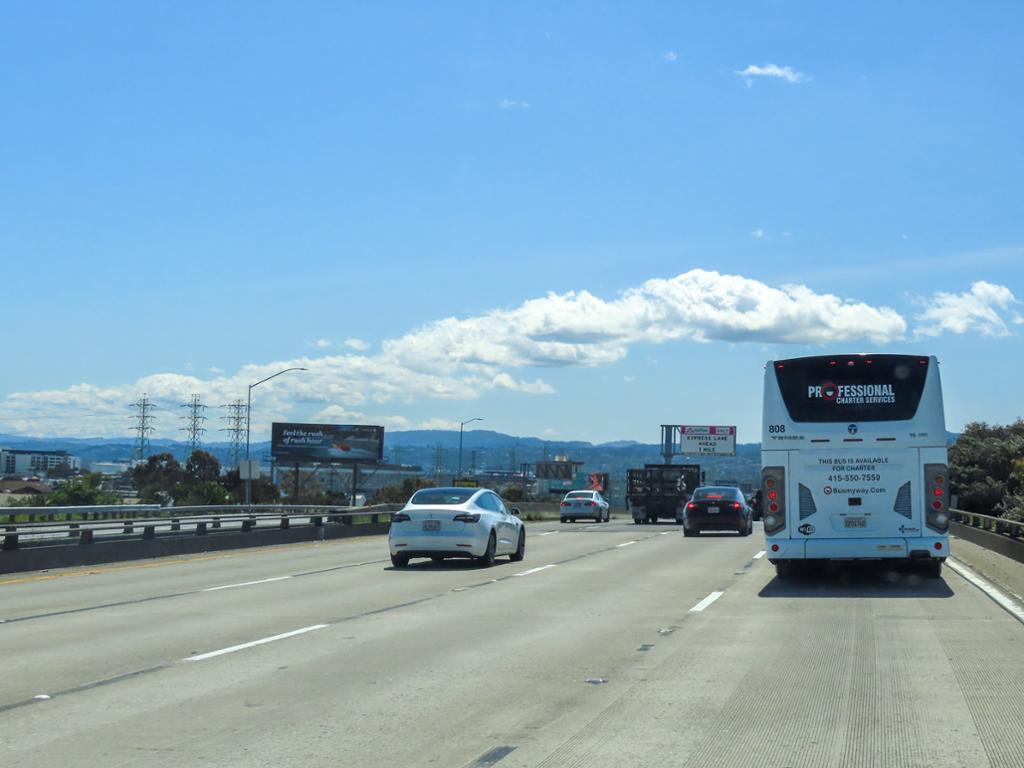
pixel 851 388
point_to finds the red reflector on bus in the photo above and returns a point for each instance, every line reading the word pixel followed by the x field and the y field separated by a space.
pixel 936 505
pixel 773 507
pixel 938 545
pixel 938 491
pixel 775 547
pixel 773 495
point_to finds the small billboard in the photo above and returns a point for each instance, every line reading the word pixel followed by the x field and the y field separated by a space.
pixel 302 443
pixel 706 440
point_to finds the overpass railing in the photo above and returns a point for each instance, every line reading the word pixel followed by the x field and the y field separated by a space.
pixel 177 521
pixel 1000 525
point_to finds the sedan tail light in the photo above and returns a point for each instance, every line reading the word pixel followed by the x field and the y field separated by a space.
pixel 736 505
pixel 400 517
pixel 467 518
pixel 691 505
pixel 564 504
pixel 591 503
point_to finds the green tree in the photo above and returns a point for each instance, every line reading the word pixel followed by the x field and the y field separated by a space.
pixel 263 491
pixel 81 491
pixel 203 466
pixel 513 492
pixel 158 479
pixel 985 468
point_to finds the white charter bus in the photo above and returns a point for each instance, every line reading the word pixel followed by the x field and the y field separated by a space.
pixel 853 460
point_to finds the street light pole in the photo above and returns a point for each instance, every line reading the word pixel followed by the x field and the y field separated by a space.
pixel 461 425
pixel 248 422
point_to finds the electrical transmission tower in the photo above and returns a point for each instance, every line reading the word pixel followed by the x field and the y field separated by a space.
pixel 195 420
pixel 143 426
pixel 235 429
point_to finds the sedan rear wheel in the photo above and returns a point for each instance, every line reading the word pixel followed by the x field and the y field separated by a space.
pixel 399 561
pixel 487 559
pixel 520 552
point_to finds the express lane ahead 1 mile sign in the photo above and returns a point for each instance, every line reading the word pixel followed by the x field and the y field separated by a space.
pixel 708 441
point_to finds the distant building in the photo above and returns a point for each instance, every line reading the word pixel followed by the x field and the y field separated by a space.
pixel 25 463
pixel 24 487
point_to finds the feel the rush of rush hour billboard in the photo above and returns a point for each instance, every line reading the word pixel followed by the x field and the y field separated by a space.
pixel 326 442
pixel 713 441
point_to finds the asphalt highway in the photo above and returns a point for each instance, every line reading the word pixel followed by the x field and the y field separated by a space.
pixel 610 645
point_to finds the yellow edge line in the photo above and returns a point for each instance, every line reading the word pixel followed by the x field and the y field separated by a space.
pixel 176 561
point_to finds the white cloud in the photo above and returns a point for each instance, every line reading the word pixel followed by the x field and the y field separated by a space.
pixel 461 358
pixel 758 234
pixel 513 104
pixel 979 310
pixel 670 56
pixel 322 344
pixel 357 344
pixel 786 73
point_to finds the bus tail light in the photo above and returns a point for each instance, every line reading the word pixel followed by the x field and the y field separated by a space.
pixel 774 481
pixel 937 513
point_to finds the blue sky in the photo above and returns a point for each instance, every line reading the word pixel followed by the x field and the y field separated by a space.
pixel 198 193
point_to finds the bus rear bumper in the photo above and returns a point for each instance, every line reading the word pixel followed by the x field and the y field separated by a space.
pixel 920 548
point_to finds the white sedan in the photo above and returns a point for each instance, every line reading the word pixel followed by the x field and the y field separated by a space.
pixel 577 504
pixel 456 522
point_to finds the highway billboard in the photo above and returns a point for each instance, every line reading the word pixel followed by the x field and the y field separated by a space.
pixel 707 440
pixel 303 443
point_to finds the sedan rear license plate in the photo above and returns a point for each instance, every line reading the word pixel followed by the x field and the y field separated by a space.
pixel 712 510
pixel 856 522
pixel 431 525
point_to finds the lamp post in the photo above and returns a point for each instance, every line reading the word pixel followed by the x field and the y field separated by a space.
pixel 461 425
pixel 248 421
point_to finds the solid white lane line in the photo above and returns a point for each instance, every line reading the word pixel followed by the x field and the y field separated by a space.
pixel 760 554
pixel 988 588
pixel 624 544
pixel 665 533
pixel 246 583
pixel 547 533
pixel 535 570
pixel 706 602
pixel 254 643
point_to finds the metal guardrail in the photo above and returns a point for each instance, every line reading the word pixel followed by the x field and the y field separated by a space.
pixel 1011 528
pixel 182 521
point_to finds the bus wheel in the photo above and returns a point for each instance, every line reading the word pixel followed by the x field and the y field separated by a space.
pixel 933 569
pixel 785 569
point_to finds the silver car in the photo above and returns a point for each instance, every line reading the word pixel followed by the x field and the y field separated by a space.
pixel 588 504
pixel 456 522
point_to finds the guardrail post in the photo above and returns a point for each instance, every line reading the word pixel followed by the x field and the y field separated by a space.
pixel 129 527
pixel 175 524
pixel 347 520
pixel 86 537
pixel 10 540
pixel 200 529
pixel 285 523
pixel 11 518
pixel 216 522
pixel 149 532
pixel 317 521
pixel 73 531
pixel 247 525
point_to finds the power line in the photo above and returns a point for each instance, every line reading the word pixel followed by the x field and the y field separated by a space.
pixel 143 426
pixel 195 419
pixel 236 429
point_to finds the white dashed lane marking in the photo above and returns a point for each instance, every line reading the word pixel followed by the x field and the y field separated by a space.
pixel 254 643
pixel 706 602
pixel 536 570
pixel 247 583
